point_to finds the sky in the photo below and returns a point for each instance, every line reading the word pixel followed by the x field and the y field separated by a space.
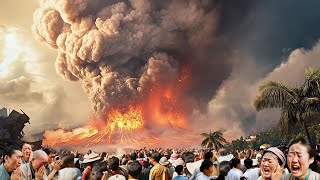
pixel 231 46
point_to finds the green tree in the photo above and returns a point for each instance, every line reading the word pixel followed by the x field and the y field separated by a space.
pixel 213 139
pixel 299 105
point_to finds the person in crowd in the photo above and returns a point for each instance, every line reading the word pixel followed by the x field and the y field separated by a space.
pixel 68 168
pixel 164 162
pixel 224 169
pixel 100 171
pixel 51 159
pixel 180 176
pixel 11 161
pixel 89 160
pixel 115 168
pixel 300 156
pixel 157 172
pixel 134 170
pixel 207 156
pixel 26 153
pixel 178 162
pixel 235 173
pixel 251 173
pixel 35 169
pixel 206 170
pixel 133 156
pixel 272 164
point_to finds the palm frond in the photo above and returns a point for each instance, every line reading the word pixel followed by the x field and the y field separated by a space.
pixel 274 95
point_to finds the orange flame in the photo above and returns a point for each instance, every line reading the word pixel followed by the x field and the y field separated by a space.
pixel 162 108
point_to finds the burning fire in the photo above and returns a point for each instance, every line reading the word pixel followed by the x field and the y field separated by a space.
pixel 162 108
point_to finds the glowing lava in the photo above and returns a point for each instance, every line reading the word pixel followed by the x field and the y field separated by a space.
pixel 162 109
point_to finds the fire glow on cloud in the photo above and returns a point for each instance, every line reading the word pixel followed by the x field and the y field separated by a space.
pixel 131 53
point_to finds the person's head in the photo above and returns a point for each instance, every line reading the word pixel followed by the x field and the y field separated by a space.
pixel 51 154
pixel 12 158
pixel 140 155
pixel 179 169
pixel 26 151
pixel 300 156
pixel 133 156
pixel 114 163
pixel 134 170
pixel 271 159
pixel 97 170
pixel 155 158
pixel 235 163
pixel 248 163
pixel 224 168
pixel 67 160
pixel 206 167
pixel 208 156
pixel 39 159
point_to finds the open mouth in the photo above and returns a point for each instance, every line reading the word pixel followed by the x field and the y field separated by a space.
pixel 266 170
pixel 295 168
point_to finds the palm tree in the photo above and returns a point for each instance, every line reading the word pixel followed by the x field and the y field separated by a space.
pixel 298 104
pixel 214 139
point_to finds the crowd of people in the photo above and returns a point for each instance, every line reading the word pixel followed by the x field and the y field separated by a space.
pixel 298 160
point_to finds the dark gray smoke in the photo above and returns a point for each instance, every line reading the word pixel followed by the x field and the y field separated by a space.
pixel 118 49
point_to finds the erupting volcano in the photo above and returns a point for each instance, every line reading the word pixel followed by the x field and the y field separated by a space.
pixel 134 60
pixel 162 108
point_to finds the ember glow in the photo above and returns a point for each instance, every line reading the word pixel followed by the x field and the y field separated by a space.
pixel 162 109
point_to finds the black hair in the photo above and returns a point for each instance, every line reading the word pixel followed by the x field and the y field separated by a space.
pixel 133 156
pixel 235 162
pixel 206 164
pixel 140 155
pixel 224 168
pixel 156 156
pixel 66 159
pixel 9 151
pixel 179 169
pixel 248 163
pixel 134 169
pixel 114 163
pixel 208 155
pixel 98 169
pixel 49 151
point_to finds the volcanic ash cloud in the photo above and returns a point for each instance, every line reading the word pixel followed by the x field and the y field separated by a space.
pixel 118 49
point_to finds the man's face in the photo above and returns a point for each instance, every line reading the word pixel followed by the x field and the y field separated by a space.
pixel 15 160
pixel 26 151
pixel 37 163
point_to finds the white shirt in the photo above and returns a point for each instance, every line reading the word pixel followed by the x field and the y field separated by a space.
pixel 252 174
pixel 234 174
pixel 201 176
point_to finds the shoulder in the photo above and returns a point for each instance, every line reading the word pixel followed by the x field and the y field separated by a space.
pixel 24 167
pixel 315 175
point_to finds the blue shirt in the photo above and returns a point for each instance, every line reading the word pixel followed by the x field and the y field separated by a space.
pixel 4 175
pixel 180 177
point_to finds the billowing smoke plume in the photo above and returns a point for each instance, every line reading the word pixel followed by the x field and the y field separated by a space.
pixel 119 48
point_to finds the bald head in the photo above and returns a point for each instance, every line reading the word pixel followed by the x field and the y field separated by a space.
pixel 39 154
pixel 40 158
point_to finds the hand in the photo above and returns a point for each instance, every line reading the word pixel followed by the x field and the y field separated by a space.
pixel 104 176
pixel 57 165
pixel 16 175
pixel 40 172
pixel 277 173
